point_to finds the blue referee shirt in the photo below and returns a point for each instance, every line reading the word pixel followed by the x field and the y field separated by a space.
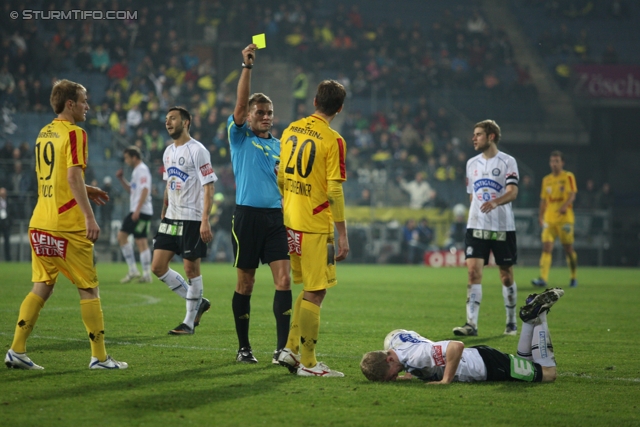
pixel 255 161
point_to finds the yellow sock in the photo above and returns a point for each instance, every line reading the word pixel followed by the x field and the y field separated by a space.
pixel 545 265
pixel 91 311
pixel 29 313
pixel 293 341
pixel 309 331
pixel 572 262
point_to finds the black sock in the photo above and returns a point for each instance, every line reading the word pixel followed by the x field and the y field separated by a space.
pixel 241 305
pixel 282 311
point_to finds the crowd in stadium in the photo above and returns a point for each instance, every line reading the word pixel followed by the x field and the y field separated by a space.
pixel 455 51
pixel 147 67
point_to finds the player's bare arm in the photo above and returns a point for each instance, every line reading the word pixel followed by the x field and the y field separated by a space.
pixel 509 195
pixel 79 191
pixel 135 215
pixel 542 209
pixel 205 226
pixel 569 202
pixel 454 355
pixel 165 203
pixel 244 86
pixel 343 241
pixel 124 182
pixel 335 195
pixel 97 195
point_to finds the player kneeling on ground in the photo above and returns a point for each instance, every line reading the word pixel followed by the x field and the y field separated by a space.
pixel 444 362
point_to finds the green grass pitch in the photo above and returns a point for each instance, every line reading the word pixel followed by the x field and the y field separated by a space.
pixel 194 380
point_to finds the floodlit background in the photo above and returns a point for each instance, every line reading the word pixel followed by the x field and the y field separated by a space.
pixel 556 75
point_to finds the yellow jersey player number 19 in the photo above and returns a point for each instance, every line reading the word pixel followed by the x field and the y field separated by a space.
pixel 63 228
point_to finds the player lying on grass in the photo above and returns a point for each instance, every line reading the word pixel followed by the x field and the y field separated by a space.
pixel 443 362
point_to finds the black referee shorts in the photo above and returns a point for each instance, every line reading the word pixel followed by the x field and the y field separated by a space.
pixel 259 235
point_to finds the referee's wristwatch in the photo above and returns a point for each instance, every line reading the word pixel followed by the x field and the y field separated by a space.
pixel 247 66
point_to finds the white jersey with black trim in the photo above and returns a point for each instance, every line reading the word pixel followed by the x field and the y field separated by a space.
pixel 187 168
pixel 426 359
pixel 487 179
pixel 140 179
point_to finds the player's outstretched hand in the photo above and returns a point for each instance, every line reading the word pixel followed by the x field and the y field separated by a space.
pixel 119 173
pixel 97 195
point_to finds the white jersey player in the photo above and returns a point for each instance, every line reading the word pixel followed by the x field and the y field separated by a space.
pixel 138 220
pixel 443 362
pixel 187 169
pixel 492 183
pixel 487 180
pixel 425 359
pixel 141 181
pixel 185 228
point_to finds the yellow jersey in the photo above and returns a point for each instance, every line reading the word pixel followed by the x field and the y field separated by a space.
pixel 59 146
pixel 311 154
pixel 556 191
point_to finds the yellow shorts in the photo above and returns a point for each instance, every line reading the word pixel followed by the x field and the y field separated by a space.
pixel 563 230
pixel 69 253
pixel 313 261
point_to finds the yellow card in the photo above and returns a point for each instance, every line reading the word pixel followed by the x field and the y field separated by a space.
pixel 260 41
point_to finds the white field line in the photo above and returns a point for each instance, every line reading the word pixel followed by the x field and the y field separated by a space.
pixel 113 342
pixel 233 350
pixel 592 377
pixel 181 347
pixel 147 300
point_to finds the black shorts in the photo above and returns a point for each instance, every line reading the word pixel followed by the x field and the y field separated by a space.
pixel 504 367
pixel 181 238
pixel 505 251
pixel 258 235
pixel 139 228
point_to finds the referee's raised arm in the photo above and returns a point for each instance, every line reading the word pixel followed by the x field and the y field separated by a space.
pixel 244 85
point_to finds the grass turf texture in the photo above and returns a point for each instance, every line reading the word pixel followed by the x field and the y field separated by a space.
pixel 194 380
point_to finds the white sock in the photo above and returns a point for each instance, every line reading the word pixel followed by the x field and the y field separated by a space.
pixel 175 282
pixel 127 253
pixel 474 298
pixel 541 346
pixel 510 295
pixel 145 260
pixel 524 345
pixel 194 298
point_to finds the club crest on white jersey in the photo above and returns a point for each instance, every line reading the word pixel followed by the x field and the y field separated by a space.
pixel 487 179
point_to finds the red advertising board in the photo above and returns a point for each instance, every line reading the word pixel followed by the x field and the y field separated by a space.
pixel 607 81
pixel 452 258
